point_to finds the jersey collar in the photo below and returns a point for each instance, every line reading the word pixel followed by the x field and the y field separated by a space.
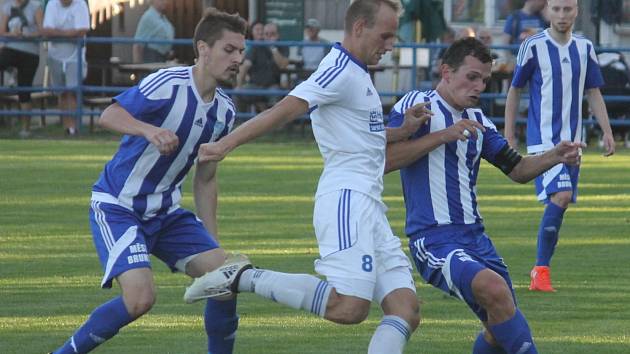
pixel 352 57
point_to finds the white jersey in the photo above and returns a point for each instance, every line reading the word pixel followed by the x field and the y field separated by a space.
pixel 347 120
pixel 557 76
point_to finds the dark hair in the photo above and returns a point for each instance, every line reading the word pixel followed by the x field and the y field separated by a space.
pixel 455 54
pixel 213 22
pixel 367 9
pixel 250 29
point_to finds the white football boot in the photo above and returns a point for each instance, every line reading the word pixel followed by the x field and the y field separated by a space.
pixel 221 283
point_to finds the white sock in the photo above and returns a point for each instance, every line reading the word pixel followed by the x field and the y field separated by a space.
pixel 390 336
pixel 300 291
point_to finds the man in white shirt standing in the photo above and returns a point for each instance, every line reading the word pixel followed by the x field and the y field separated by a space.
pixel 68 19
pixel 359 255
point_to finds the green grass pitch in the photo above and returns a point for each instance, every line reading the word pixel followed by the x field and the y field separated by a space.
pixel 50 275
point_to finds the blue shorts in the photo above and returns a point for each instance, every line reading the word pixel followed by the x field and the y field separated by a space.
pixel 449 257
pixel 559 178
pixel 124 241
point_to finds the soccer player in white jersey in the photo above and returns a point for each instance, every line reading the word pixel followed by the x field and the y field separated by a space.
pixel 135 207
pixel 359 256
pixel 439 166
pixel 559 66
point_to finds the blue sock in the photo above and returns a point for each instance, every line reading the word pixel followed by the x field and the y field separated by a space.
pixel 103 323
pixel 514 335
pixel 483 347
pixel 548 233
pixel 221 323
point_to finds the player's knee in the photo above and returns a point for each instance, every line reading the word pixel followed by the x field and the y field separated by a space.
pixel 140 302
pixel 562 199
pixel 404 304
pixel 491 291
pixel 347 309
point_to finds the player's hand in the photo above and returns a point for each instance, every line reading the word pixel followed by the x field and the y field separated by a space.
pixel 165 140
pixel 569 152
pixel 462 130
pixel 212 151
pixel 415 116
pixel 609 144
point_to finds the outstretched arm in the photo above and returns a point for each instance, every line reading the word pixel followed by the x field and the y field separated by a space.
pixel 597 105
pixel 283 112
pixel 531 166
pixel 402 154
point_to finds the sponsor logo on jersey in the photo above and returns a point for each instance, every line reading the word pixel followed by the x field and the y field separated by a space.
pixel 565 60
pixel 369 92
pixel 199 122
pixel 376 120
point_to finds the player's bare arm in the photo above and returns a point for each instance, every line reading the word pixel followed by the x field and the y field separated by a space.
pixel 206 190
pixel 597 105
pixel 402 154
pixel 511 111
pixel 119 120
pixel 531 166
pixel 415 116
pixel 283 112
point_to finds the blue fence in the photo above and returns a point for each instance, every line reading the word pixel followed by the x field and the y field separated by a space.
pixel 82 90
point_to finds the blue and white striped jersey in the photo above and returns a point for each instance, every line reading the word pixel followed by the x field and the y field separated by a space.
pixel 440 188
pixel 347 119
pixel 557 75
pixel 138 177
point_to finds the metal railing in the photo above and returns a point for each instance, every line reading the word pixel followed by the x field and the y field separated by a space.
pixel 82 89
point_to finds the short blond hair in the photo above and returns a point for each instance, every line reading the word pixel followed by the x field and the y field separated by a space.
pixel 367 10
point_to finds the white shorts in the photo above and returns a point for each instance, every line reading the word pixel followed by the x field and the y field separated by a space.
pixel 359 254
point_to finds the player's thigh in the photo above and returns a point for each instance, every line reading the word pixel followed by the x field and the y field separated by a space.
pixel 559 178
pixel 119 240
pixel 202 263
pixel 393 269
pixel 182 238
pixel 451 268
pixel 346 242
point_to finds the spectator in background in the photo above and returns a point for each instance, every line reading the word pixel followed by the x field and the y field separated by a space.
pixel 21 19
pixel 525 22
pixel 312 56
pixel 69 19
pixel 255 33
pixel 263 64
pixel 154 25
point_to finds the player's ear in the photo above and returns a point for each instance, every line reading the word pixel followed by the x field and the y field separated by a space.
pixel 358 27
pixel 446 71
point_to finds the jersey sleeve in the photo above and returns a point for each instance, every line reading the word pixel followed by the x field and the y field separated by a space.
pixel 525 64
pixel 397 114
pixel 144 100
pixel 493 142
pixel 325 86
pixel 594 76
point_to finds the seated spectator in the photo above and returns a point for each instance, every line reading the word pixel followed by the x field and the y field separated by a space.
pixel 255 33
pixel 312 56
pixel 20 19
pixel 263 64
pixel 69 19
pixel 154 25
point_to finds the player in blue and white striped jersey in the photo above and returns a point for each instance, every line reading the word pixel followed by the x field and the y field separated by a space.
pixel 559 67
pixel 439 166
pixel 135 209
pixel 359 255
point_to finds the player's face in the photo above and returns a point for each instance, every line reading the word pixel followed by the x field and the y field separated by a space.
pixel 380 38
pixel 222 60
pixel 562 14
pixel 465 85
